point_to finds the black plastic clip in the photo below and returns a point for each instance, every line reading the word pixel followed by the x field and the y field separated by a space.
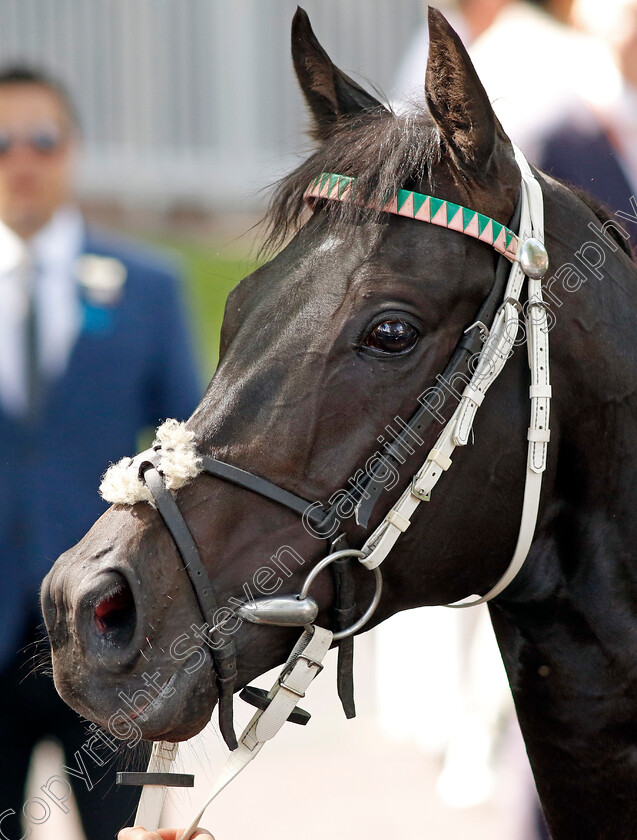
pixel 164 779
pixel 258 697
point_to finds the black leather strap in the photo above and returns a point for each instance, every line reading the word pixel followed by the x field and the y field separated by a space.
pixel 258 697
pixel 223 649
pixel 266 488
pixel 344 611
pixel 180 532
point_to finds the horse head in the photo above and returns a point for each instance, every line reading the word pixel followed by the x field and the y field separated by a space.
pixel 326 353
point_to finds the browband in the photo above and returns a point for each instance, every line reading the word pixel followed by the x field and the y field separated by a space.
pixel 424 208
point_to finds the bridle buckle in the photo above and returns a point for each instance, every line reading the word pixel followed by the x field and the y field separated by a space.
pixel 514 302
pixel 423 495
pixel 312 663
pixel 484 330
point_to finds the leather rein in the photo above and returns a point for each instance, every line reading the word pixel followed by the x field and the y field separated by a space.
pixel 490 340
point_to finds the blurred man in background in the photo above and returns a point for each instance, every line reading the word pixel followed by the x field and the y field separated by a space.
pixel 93 349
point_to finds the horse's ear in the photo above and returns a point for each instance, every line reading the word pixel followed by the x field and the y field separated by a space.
pixel 457 99
pixel 328 91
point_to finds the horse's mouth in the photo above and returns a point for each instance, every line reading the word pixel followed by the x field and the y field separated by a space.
pixel 179 709
pixel 163 691
pixel 145 705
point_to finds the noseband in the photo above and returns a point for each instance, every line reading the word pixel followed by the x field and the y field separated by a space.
pixel 490 339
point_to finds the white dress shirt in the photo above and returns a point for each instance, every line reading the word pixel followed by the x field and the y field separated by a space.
pixel 529 63
pixel 48 260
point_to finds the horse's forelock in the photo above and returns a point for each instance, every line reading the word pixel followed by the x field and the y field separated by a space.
pixel 383 150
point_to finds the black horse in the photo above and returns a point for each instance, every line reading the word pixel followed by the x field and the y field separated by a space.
pixel 321 349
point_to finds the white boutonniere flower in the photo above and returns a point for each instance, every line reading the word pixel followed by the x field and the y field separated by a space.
pixel 101 279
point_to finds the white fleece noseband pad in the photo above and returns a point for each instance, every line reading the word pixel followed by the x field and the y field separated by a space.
pixel 180 463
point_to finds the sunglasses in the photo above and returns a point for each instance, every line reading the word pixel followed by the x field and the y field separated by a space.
pixel 42 141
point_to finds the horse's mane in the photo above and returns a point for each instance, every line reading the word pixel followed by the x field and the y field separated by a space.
pixel 385 151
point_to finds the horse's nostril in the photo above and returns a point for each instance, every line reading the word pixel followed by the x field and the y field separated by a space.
pixel 115 614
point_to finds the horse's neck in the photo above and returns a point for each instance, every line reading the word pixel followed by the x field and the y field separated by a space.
pixel 575 699
pixel 570 642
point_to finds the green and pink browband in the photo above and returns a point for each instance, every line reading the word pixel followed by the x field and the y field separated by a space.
pixel 424 208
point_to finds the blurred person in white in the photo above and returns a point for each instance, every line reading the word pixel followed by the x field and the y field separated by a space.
pixel 592 143
pixel 527 56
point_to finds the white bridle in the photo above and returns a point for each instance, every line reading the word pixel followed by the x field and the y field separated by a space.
pixel 493 357
pixel 305 661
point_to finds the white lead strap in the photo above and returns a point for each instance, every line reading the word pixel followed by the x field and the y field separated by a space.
pixel 151 802
pixel 303 665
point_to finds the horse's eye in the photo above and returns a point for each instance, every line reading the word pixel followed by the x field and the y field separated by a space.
pixel 393 336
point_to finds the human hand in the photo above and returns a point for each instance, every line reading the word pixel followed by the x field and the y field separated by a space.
pixel 139 833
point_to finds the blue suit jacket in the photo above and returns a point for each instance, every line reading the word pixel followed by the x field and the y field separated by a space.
pixel 132 366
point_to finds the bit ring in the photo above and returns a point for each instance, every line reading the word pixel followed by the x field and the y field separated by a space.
pixel 371 609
